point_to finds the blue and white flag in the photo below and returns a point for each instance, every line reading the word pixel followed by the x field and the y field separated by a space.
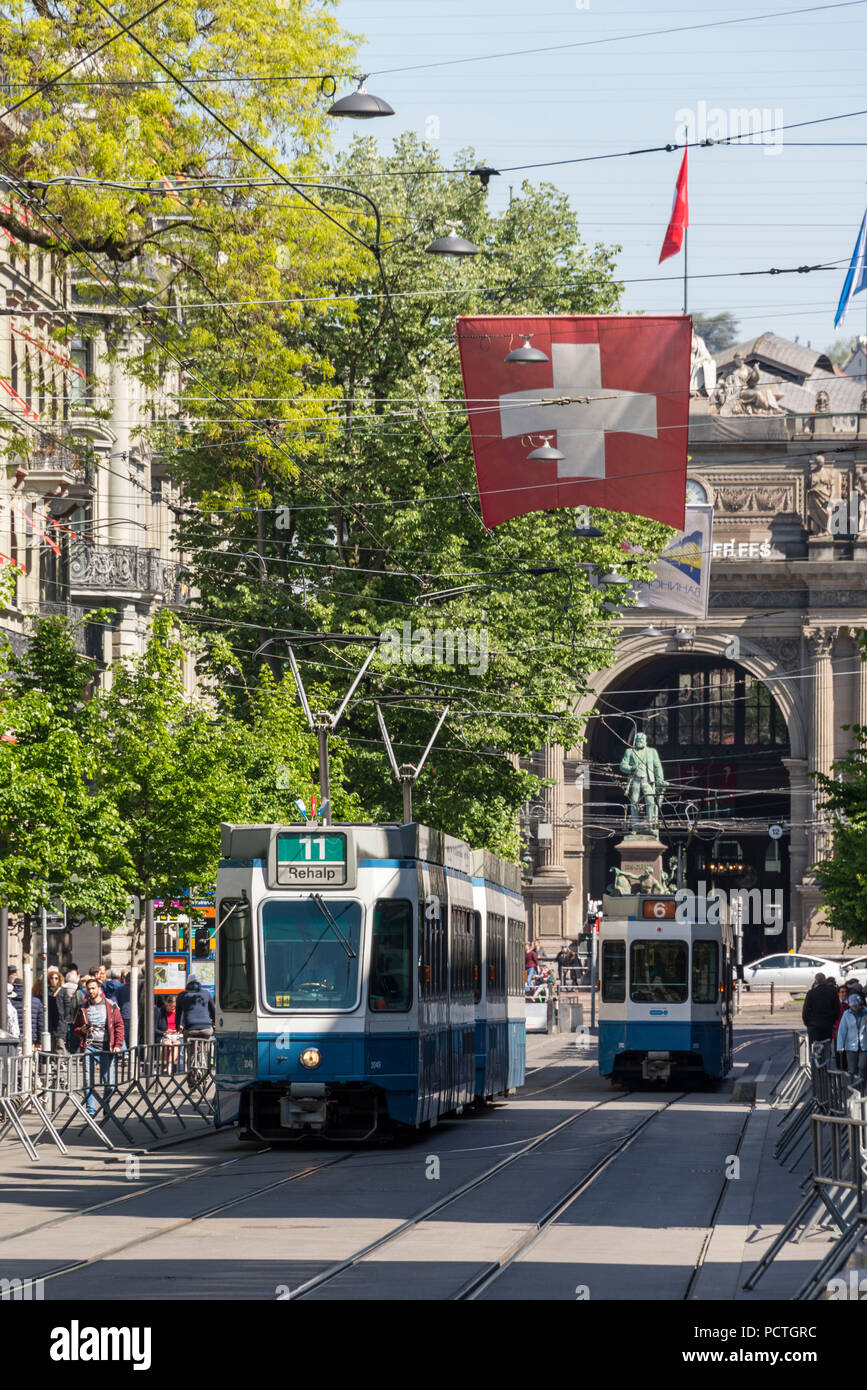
pixel 856 276
pixel 682 582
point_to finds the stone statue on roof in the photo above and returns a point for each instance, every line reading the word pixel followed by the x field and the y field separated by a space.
pixel 739 392
pixel 819 495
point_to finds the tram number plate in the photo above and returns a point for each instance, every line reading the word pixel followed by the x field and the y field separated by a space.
pixel 304 858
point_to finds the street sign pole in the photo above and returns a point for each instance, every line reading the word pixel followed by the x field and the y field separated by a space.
pixel 594 946
pixel 739 949
pixel 150 948
pixel 46 1032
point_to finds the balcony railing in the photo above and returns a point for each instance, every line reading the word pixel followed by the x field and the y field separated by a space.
pixel 109 568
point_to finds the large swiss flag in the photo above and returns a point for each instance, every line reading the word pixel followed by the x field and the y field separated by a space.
pixel 613 398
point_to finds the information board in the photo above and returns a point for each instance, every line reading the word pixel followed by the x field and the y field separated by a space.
pixel 170 973
pixel 311 857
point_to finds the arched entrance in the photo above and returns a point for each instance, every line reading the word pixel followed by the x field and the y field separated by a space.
pixel 722 739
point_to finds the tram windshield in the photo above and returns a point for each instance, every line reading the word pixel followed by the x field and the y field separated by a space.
pixel 658 972
pixel 309 964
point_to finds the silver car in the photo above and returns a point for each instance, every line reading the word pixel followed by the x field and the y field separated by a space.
pixel 795 972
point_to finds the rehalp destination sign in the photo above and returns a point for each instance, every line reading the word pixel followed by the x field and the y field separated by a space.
pixel 304 857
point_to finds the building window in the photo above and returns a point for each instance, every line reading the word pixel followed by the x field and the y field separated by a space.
pixel 80 356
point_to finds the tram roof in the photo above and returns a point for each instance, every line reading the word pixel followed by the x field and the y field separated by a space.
pixel 392 841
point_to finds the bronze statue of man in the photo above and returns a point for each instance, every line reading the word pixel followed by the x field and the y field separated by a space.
pixel 645 783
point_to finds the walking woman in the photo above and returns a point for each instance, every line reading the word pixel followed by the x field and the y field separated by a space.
pixel 58 1004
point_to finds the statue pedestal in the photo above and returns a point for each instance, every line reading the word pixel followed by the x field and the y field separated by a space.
pixel 638 854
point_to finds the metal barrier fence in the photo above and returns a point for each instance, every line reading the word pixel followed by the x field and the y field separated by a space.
pixel 101 1090
pixel 826 1117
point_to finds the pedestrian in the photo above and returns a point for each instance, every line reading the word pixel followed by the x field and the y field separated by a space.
pixel 13 1027
pixel 820 1010
pixel 562 962
pixel 122 999
pixel 112 985
pixel 99 1028
pixel 166 1032
pixel 37 1013
pixel 574 964
pixel 852 1039
pixel 58 1001
pixel 842 1006
pixel 531 962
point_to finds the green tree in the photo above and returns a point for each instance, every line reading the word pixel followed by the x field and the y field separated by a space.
pixel 840 350
pixel 181 210
pixel 386 528
pixel 59 831
pixel 718 330
pixel 843 876
pixel 175 766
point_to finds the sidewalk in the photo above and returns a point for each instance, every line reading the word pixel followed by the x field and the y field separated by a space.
pixel 753 1210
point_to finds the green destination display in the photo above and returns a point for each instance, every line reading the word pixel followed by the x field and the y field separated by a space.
pixel 310 857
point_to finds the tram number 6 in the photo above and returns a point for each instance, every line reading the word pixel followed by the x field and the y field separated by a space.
pixel 659 909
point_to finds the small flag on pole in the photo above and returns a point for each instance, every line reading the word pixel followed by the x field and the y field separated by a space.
pixel 679 220
pixel 856 276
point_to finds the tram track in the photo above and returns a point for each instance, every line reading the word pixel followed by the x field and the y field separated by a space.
pixel 132 1195
pixel 435 1208
pixel 214 1210
pixel 479 1282
pixel 203 1170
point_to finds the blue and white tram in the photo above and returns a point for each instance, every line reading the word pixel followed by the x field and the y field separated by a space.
pixel 665 1003
pixel 364 973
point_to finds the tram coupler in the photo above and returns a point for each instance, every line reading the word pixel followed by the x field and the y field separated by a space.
pixel 656 1066
pixel 305 1106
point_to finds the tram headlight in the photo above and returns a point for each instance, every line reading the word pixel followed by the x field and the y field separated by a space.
pixel 311 1057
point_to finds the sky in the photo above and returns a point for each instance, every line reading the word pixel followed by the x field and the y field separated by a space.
pixel 796 199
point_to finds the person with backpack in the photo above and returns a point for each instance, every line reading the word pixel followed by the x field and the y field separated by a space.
pixel 194 1011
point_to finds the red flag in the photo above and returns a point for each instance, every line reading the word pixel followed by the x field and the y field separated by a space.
pixel 612 395
pixel 679 220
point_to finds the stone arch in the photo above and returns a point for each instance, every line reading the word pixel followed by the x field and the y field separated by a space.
pixel 636 651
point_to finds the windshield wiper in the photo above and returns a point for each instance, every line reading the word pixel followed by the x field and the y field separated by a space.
pixel 327 914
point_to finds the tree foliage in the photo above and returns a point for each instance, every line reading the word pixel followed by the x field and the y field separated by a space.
pixel 385 528
pixel 843 876
pixel 717 330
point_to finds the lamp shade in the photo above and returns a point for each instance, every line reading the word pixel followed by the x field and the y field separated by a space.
pixel 361 105
pixel 525 353
pixel 546 453
pixel 452 245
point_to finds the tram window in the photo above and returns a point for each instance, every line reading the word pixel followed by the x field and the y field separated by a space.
pixel 235 955
pixel 705 972
pixel 613 972
pixel 309 964
pixel 477 957
pixel 658 972
pixel 391 952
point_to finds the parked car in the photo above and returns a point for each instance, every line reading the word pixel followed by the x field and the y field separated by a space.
pixel 856 968
pixel 796 972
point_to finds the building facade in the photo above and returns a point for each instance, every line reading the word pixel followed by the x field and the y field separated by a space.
pixel 86 509
pixel 747 703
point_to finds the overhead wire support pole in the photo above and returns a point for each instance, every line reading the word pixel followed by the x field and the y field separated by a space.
pixel 407 773
pixel 323 723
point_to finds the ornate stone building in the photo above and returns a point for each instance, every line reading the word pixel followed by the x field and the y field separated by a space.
pixel 745 704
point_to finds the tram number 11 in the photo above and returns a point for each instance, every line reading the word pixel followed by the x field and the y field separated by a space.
pixel 311 843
